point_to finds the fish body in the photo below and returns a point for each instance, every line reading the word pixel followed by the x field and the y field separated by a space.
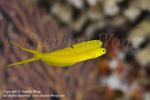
pixel 68 56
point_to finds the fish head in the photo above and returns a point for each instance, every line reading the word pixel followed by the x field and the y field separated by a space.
pixel 103 51
pixel 98 52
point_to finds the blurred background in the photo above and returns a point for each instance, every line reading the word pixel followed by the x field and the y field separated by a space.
pixel 48 25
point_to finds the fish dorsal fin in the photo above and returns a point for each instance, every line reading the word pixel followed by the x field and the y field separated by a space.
pixel 89 44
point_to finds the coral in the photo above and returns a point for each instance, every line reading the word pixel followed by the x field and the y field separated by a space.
pixel 46 25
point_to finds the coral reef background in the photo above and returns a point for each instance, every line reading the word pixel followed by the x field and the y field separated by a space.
pixel 47 25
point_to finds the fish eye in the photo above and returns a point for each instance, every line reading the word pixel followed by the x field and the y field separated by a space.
pixel 104 50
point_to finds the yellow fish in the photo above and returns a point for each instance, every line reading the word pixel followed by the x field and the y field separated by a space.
pixel 67 56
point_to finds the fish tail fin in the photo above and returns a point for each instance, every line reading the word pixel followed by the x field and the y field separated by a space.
pixel 34 52
pixel 25 49
pixel 23 62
